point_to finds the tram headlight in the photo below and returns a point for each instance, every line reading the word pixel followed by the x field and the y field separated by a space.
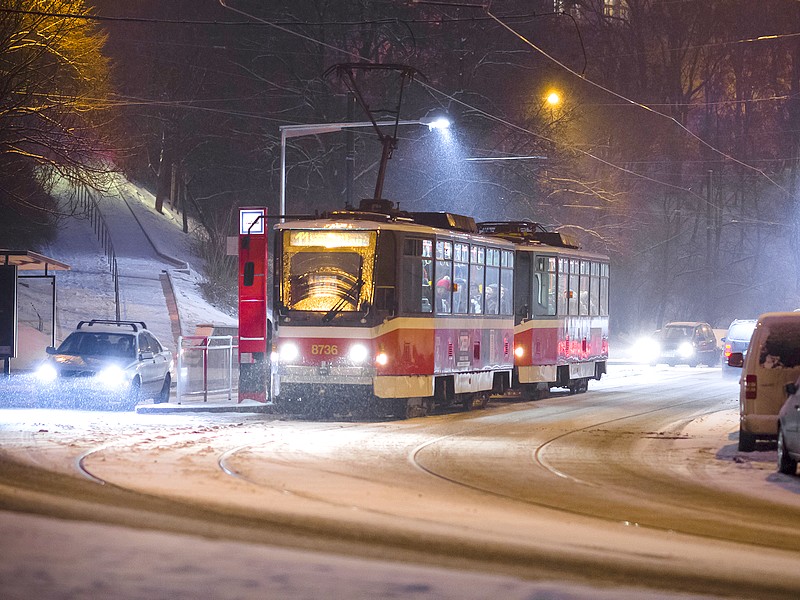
pixel 519 351
pixel 358 353
pixel 382 358
pixel 686 350
pixel 288 352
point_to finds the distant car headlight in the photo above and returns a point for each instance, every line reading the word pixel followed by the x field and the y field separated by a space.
pixel 686 350
pixel 646 349
pixel 358 353
pixel 112 377
pixel 46 373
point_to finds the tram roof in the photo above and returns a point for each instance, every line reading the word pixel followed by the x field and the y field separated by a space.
pixel 363 224
pixel 25 260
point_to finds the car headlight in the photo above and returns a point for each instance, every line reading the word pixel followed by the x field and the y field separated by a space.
pixel 646 349
pixel 685 350
pixel 288 352
pixel 358 353
pixel 46 373
pixel 112 377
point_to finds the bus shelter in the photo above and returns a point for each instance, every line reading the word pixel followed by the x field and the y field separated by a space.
pixel 16 265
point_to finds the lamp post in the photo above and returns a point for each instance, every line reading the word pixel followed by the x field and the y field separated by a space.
pixel 292 131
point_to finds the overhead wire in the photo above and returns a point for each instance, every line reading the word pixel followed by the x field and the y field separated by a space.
pixel 635 103
pixel 502 23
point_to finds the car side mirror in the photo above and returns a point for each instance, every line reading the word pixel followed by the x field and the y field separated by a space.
pixel 791 389
pixel 146 355
pixel 736 359
pixel 50 350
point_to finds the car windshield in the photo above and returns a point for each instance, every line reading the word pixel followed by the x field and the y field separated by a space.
pixel 678 332
pixel 86 343
pixel 741 331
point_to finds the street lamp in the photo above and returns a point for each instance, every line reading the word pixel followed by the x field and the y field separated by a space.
pixel 292 131
pixel 553 99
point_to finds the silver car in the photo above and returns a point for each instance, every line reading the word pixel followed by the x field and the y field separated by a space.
pixel 789 431
pixel 107 364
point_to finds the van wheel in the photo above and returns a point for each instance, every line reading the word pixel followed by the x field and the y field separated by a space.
pixel 786 464
pixel 747 441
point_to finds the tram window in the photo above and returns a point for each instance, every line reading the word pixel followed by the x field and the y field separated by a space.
pixel 507 259
pixel 545 291
pixel 317 281
pixel 604 290
pixel 492 288
pixel 444 250
pixel 444 287
pixel 563 286
pixel 583 305
pixel 506 291
pixel 417 271
pixel 594 290
pixel 574 286
pixel 476 284
pixel 460 278
pixel 477 255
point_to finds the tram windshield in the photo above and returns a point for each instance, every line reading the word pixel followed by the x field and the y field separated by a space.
pixel 327 270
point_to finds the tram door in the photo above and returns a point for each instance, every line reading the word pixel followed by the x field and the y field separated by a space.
pixel 523 308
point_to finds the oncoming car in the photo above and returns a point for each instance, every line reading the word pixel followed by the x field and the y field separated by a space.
pixel 691 343
pixel 110 364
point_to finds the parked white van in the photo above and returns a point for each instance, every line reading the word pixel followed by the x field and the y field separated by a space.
pixel 772 361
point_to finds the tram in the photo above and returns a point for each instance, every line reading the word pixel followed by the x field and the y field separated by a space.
pixel 377 306
pixel 560 309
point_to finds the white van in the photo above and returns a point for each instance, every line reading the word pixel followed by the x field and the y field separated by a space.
pixel 772 361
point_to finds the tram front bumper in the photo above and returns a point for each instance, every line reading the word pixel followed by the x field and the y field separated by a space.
pixel 321 375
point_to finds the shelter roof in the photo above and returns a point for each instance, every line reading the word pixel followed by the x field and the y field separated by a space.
pixel 25 260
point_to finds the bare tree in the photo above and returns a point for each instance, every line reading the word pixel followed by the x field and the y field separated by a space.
pixel 53 110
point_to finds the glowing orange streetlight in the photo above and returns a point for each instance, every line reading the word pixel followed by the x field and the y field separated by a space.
pixel 553 99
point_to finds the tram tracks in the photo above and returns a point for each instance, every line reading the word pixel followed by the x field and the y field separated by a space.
pixel 345 502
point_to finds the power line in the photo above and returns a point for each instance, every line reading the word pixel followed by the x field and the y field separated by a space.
pixel 634 103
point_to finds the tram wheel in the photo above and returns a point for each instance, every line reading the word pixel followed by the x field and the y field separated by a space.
pixel 480 401
pixel 410 408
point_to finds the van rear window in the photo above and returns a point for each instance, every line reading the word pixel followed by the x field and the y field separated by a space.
pixel 781 349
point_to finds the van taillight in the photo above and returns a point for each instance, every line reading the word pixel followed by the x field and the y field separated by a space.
pixel 750 386
pixel 728 350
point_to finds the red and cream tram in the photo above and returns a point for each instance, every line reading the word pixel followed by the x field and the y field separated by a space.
pixel 560 309
pixel 378 306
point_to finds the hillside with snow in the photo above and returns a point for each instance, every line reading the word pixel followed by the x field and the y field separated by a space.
pixel 159 276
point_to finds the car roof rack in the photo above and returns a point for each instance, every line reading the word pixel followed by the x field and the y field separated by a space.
pixel 135 325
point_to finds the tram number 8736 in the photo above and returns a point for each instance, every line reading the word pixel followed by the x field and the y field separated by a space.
pixel 324 349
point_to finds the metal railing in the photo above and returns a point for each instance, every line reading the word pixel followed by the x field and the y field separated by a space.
pixel 101 231
pixel 205 366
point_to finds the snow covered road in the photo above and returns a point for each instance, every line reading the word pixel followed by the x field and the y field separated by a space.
pixel 635 484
